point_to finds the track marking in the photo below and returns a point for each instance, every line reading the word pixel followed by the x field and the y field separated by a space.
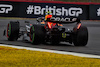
pixel 54 51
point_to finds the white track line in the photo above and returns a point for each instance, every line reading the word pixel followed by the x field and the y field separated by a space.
pixel 54 51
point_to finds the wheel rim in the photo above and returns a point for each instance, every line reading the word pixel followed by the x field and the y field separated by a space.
pixel 32 34
pixel 8 30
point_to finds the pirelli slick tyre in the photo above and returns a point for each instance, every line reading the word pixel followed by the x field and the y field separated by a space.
pixel 37 34
pixel 80 37
pixel 12 31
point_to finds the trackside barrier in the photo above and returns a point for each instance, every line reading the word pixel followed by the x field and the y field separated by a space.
pixel 84 11
pixel 94 11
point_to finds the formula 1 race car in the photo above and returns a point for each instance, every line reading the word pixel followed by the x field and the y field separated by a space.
pixel 54 33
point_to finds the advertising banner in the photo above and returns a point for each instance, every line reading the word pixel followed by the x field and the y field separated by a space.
pixel 94 12
pixel 34 10
pixel 9 9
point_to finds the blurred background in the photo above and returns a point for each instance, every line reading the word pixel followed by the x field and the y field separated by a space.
pixel 61 0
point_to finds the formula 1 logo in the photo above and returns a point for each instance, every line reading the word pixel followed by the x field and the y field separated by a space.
pixel 98 12
pixel 5 8
pixel 62 11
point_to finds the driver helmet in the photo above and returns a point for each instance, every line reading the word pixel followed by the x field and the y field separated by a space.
pixel 48 16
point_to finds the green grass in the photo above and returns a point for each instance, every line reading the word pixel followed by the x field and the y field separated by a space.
pixel 11 57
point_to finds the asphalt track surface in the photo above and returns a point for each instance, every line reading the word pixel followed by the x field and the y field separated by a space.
pixel 93 46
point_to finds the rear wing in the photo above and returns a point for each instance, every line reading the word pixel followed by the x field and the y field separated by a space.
pixel 59 20
pixel 64 20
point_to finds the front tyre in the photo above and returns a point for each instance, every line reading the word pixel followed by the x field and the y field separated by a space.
pixel 13 31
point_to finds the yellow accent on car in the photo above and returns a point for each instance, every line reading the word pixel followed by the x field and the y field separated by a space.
pixel 64 35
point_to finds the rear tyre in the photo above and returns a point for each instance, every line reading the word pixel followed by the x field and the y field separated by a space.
pixel 37 34
pixel 13 31
pixel 80 37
